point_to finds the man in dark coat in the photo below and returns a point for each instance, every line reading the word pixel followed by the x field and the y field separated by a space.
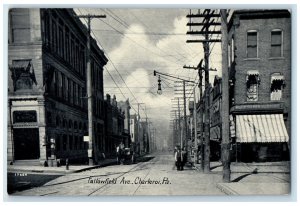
pixel 179 159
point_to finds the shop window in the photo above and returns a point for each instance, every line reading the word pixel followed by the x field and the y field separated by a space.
pixel 252 44
pixel 277 85
pixel 253 81
pixel 276 43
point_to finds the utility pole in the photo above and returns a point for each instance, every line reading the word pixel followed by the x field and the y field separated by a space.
pixel 179 124
pixel 225 99
pixel 205 30
pixel 195 129
pixel 200 69
pixel 206 105
pixel 184 113
pixel 138 126
pixel 92 153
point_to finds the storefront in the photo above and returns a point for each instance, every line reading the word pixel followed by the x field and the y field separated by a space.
pixel 261 137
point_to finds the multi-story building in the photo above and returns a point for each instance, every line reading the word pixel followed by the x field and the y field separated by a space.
pixel 260 88
pixel 47 86
pixel 125 107
pixel 114 125
pixel 134 132
pixel 215 118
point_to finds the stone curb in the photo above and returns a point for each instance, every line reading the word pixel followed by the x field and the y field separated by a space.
pixel 44 171
pixel 227 190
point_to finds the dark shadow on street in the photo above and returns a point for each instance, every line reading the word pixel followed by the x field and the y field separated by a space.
pixel 19 183
pixel 214 167
pixel 245 175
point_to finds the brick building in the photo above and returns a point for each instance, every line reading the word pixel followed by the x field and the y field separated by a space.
pixel 134 132
pixel 47 86
pixel 215 118
pixel 114 125
pixel 125 107
pixel 260 88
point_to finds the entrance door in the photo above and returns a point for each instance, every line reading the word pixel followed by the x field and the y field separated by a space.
pixel 26 144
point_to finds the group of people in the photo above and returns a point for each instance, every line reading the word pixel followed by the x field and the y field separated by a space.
pixel 180 158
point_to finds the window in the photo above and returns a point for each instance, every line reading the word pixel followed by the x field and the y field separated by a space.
pixel 57 143
pixel 70 142
pixel 74 93
pixel 67 39
pixel 70 98
pixel 276 43
pixel 54 36
pixel 55 80
pixel 252 86
pixel 20 25
pixel 65 141
pixel 63 86
pixel 252 44
pixel 277 84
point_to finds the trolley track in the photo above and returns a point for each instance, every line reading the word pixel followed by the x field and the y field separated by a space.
pixel 138 167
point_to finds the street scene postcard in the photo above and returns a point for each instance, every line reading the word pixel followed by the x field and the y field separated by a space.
pixel 147 102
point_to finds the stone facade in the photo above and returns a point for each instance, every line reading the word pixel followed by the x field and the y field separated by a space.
pixel 54 54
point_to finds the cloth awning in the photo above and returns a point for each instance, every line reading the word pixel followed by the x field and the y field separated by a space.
pixel 215 133
pixel 261 128
pixel 252 72
pixel 277 77
pixel 20 64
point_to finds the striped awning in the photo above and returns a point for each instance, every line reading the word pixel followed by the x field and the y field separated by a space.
pixel 215 133
pixel 261 128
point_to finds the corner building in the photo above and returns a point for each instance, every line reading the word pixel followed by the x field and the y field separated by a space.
pixel 260 84
pixel 47 103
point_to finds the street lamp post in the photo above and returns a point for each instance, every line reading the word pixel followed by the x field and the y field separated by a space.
pixel 159 91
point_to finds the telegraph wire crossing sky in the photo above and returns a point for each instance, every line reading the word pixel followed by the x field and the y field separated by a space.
pixel 138 41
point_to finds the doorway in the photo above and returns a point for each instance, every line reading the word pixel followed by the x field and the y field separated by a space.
pixel 26 144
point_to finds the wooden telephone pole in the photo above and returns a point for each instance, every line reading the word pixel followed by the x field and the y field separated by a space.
pixel 225 100
pixel 207 21
pixel 92 149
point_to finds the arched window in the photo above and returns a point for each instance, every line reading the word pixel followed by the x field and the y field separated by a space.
pixel 70 124
pixel 65 124
pixel 58 121
pixel 75 125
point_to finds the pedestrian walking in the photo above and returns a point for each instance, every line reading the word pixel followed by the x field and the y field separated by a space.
pixel 179 159
pixel 184 157
pixel 120 152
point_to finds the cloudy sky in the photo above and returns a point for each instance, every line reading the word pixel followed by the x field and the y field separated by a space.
pixel 139 41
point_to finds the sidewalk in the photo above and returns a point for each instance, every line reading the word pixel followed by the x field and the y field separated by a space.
pixel 57 170
pixel 268 178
